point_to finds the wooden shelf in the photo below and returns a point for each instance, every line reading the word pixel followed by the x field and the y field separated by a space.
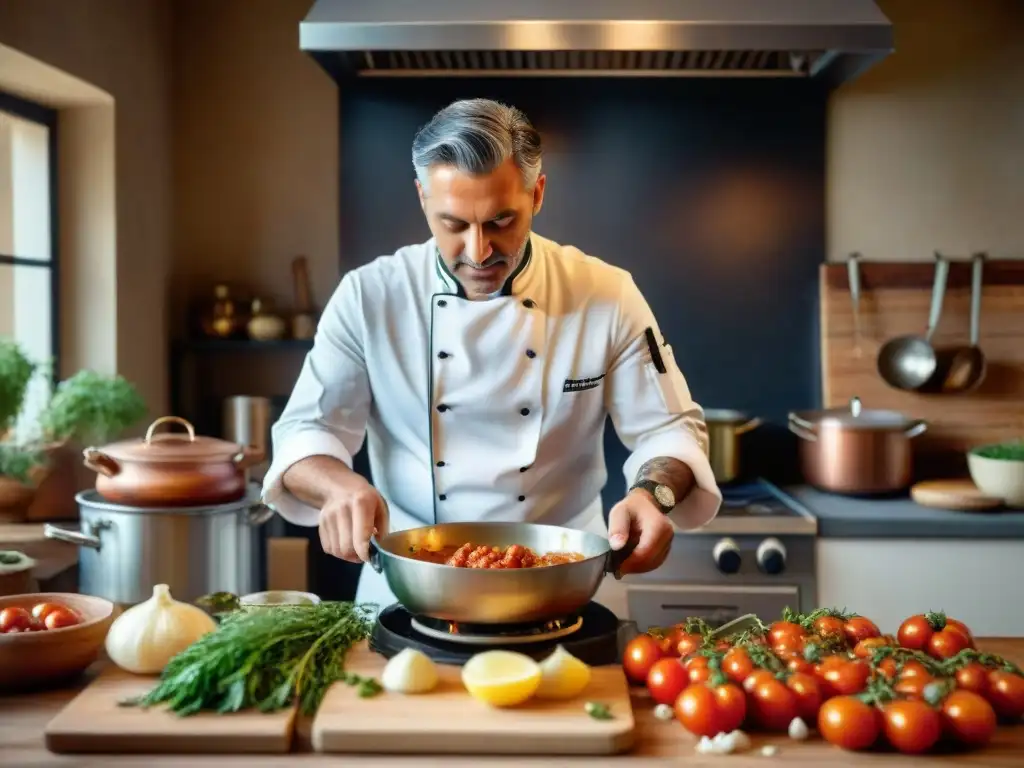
pixel 241 345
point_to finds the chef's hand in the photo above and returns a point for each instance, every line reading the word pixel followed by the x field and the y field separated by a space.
pixel 352 513
pixel 638 516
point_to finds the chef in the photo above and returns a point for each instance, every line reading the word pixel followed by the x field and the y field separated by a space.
pixel 480 367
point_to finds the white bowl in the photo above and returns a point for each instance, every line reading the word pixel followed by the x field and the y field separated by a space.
pixel 278 597
pixel 1002 478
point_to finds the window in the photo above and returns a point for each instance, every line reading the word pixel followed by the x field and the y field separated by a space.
pixel 28 241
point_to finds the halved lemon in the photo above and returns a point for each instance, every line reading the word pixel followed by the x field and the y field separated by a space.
pixel 501 678
pixel 562 676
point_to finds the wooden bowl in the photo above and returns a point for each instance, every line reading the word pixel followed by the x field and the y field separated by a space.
pixel 48 657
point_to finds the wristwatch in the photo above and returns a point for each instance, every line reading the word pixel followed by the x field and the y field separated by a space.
pixel 664 496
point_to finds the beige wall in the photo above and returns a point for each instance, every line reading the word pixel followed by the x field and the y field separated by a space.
pixel 926 151
pixel 124 48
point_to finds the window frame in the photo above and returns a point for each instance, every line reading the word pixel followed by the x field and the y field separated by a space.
pixel 47 116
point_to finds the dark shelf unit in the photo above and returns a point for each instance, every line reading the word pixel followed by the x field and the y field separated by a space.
pixel 240 345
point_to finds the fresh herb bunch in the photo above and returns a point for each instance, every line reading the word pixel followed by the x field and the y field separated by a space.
pixel 265 660
pixel 19 462
pixel 1009 451
pixel 16 371
pixel 92 408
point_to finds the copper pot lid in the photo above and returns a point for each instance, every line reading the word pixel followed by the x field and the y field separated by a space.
pixel 856 417
pixel 172 446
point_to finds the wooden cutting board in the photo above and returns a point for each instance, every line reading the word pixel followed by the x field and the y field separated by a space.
pixel 93 722
pixel 962 495
pixel 449 721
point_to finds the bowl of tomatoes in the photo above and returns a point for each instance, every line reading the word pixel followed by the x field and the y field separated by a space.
pixel 50 637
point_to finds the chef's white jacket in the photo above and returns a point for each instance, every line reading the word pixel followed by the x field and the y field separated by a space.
pixel 493 409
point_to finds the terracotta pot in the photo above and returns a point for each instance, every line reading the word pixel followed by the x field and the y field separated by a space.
pixel 15 573
pixel 856 451
pixel 171 468
pixel 15 499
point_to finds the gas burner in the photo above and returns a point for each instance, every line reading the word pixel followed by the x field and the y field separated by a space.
pixel 492 634
pixel 592 636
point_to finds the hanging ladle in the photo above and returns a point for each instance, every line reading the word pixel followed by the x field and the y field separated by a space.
pixel 909 362
pixel 967 367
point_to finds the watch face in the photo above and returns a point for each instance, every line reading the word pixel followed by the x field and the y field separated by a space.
pixel 665 496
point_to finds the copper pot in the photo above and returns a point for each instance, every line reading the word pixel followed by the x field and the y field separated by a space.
pixel 171 468
pixel 856 451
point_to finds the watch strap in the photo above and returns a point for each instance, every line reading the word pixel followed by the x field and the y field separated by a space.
pixel 650 486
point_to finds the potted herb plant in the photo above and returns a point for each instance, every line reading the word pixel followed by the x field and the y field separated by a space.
pixel 86 408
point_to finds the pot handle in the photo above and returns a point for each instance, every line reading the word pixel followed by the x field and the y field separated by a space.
pixel 916 428
pixel 374 560
pixel 79 539
pixel 171 420
pixel 616 557
pixel 754 423
pixel 802 428
pixel 258 514
pixel 100 463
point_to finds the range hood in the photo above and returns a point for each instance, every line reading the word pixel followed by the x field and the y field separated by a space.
pixel 831 40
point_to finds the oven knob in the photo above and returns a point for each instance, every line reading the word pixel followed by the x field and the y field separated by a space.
pixel 727 556
pixel 771 556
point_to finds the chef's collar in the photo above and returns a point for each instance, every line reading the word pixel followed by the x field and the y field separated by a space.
pixel 452 286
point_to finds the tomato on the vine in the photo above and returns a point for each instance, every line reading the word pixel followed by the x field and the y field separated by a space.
pixel 771 704
pixel 911 726
pixel 866 647
pixel 666 680
pixel 640 654
pixel 688 643
pixel 706 710
pixel 858 628
pixel 845 678
pixel 785 632
pixel 756 677
pixel 913 687
pixel 968 718
pixel 1006 694
pixel 914 668
pixel 934 634
pixel 972 677
pixel 828 626
pixel 808 696
pixel 736 664
pixel 848 722
pixel 797 663
pixel 697 669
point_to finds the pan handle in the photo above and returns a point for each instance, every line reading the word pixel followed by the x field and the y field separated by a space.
pixel 976 279
pixel 374 561
pixel 617 557
pixel 916 428
pixel 802 428
pixel 938 294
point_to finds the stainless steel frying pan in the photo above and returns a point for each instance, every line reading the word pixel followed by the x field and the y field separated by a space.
pixel 498 596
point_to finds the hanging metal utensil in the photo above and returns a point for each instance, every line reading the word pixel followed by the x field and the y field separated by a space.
pixel 909 362
pixel 853 270
pixel 968 367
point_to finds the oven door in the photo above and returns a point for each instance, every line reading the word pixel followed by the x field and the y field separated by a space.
pixel 662 605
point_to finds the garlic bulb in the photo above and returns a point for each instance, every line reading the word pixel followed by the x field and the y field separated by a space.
pixel 409 671
pixel 148 635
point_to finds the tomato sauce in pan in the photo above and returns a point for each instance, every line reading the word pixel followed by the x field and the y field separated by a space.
pixel 473 556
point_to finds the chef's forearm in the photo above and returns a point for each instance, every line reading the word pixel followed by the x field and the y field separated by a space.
pixel 669 471
pixel 315 479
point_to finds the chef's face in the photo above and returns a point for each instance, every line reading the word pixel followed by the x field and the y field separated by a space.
pixel 481 223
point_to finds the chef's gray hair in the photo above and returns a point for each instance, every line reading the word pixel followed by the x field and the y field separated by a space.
pixel 476 136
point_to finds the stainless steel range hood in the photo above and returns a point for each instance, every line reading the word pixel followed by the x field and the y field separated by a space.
pixel 832 40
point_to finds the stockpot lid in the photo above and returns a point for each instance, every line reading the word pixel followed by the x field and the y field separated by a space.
pixel 856 417
pixel 725 416
pixel 172 446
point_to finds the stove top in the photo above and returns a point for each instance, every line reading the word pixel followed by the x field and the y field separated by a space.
pixel 759 507
pixel 593 636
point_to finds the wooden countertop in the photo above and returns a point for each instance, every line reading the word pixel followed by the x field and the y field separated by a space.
pixel 23 717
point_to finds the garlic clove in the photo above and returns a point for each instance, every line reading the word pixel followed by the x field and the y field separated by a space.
pixel 410 672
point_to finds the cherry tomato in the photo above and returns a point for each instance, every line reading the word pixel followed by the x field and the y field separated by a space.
pixel 641 653
pixel 808 696
pixel 61 618
pixel 947 642
pixel 864 648
pixel 697 669
pixel 911 726
pixel 688 643
pixel 771 705
pixel 972 677
pixel 755 678
pixel 846 678
pixel 797 663
pixel 666 680
pixel 790 645
pixel 914 668
pixel 914 633
pixel 858 628
pixel 829 626
pixel 1006 694
pixel 736 664
pixel 785 631
pixel 41 610
pixel 913 687
pixel 14 618
pixel 963 629
pixel 887 668
pixel 968 718
pixel 848 722
pixel 707 711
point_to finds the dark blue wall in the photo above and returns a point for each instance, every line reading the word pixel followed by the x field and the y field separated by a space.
pixel 710 191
